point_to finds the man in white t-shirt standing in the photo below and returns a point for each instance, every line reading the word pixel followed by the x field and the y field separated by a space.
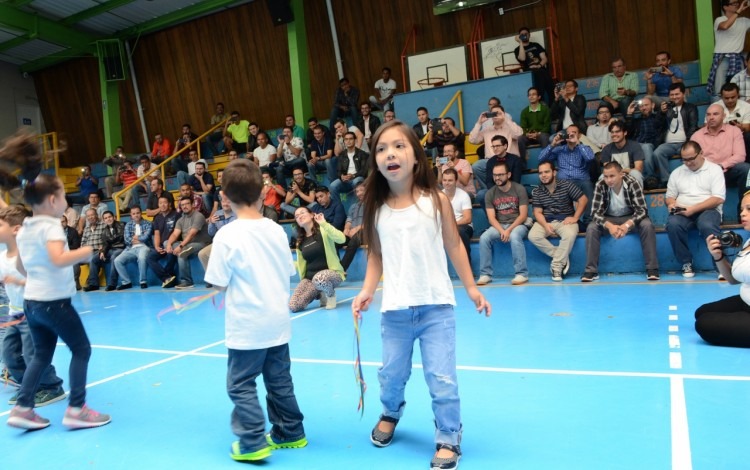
pixel 265 153
pixel 729 34
pixel 461 204
pixel 384 89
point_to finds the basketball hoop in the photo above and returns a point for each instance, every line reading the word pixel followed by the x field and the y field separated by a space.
pixel 501 70
pixel 430 82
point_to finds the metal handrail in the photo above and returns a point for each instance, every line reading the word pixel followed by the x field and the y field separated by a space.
pixel 161 166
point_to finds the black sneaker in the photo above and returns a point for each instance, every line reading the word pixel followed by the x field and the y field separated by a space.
pixel 184 285
pixel 380 438
pixel 125 286
pixel 185 252
pixel 446 463
pixel 652 274
pixel 209 285
pixel 90 288
pixel 687 270
pixel 109 288
pixel 589 277
pixel 170 282
pixel 144 285
pixel 43 397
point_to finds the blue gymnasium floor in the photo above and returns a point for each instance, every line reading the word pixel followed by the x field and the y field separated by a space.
pixel 608 375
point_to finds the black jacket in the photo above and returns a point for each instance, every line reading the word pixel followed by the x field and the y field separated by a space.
pixel 577 112
pixel 689 115
pixel 360 163
pixel 113 239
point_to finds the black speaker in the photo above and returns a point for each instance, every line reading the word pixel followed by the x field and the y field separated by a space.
pixel 281 11
pixel 113 68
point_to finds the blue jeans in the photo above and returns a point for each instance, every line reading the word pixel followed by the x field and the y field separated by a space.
pixel 96 263
pixel 678 226
pixel 435 327
pixel 338 186
pixel 248 423
pixel 328 165
pixel 517 249
pixel 137 253
pixel 658 164
pixel 47 322
pixel 18 350
pixel 480 173
pixel 183 264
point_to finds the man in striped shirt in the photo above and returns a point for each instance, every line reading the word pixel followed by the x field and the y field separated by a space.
pixel 558 206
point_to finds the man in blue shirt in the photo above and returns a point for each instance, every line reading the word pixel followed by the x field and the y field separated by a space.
pixel 333 211
pixel 572 160
pixel 659 78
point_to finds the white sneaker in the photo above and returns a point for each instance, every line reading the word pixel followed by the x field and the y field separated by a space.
pixel 518 280
pixel 484 280
pixel 331 302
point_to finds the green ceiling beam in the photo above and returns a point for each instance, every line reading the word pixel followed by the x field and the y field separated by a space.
pixel 56 58
pixel 18 3
pixel 175 17
pixel 44 29
pixel 15 42
pixel 94 11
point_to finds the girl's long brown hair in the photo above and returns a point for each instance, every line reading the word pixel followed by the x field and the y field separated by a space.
pixel 301 233
pixel 377 189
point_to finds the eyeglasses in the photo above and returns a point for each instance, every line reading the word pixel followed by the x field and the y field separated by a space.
pixel 689 159
pixel 498 175
pixel 498 146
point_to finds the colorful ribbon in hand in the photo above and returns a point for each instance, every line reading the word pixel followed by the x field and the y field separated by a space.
pixel 358 376
pixel 191 303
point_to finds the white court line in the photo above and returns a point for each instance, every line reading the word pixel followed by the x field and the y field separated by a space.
pixel 110 306
pixel 673 307
pixel 674 328
pixel 673 318
pixel 674 341
pixel 321 308
pixel 84 312
pixel 681 455
pixel 675 360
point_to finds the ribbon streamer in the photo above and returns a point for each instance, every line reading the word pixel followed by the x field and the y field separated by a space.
pixel 190 304
pixel 9 320
pixel 358 376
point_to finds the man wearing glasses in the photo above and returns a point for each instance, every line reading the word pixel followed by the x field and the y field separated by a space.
pixel 499 148
pixel 681 122
pixel 695 194
pixel 507 206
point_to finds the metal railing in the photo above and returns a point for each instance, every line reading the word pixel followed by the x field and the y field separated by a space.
pixel 161 166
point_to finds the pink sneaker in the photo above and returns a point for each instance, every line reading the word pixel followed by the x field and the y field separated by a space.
pixel 80 418
pixel 26 418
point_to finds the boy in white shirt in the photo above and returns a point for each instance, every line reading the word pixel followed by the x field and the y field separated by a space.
pixel 255 275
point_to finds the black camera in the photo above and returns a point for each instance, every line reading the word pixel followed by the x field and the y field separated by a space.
pixel 564 135
pixel 730 239
pixel 437 124
pixel 523 37
pixel 670 104
pixel 676 209
pixel 490 114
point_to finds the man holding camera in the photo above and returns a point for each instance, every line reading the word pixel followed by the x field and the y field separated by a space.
pixel 443 132
pixel 501 125
pixel 464 172
pixel 618 207
pixel 681 122
pixel 572 160
pixel 236 133
pixel 533 58
pixel 695 194
pixel 659 78
pixel 647 129
pixel 302 190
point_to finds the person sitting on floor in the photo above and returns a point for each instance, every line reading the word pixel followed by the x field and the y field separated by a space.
pixel 318 265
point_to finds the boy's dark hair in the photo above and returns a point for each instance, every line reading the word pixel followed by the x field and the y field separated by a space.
pixel 321 189
pixel 613 164
pixel 42 187
pixel 677 86
pixel 107 212
pixel 242 182
pixel 14 214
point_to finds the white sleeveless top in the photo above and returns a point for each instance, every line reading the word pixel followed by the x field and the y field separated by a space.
pixel 415 268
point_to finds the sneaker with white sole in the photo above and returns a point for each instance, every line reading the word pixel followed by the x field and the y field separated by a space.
pixel 43 397
pixel 652 275
pixel 84 417
pixel 687 270
pixel 185 252
pixel 721 277
pixel 331 302
pixel 484 280
pixel 557 275
pixel 26 418
pixel 589 277
pixel 519 279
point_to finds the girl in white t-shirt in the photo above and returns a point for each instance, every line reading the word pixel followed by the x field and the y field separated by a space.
pixel 409 226
pixel 48 263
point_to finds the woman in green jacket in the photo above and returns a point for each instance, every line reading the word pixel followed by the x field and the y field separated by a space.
pixel 318 265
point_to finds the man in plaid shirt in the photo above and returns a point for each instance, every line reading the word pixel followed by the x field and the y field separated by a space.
pixel 618 207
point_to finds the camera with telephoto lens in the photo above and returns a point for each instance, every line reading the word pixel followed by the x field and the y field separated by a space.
pixel 437 125
pixel 523 37
pixel 730 239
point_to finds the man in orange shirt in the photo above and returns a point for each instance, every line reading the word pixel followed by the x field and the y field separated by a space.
pixel 162 149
